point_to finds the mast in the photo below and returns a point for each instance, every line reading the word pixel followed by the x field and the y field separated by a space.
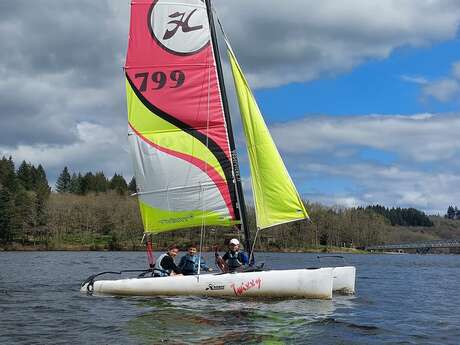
pixel 239 187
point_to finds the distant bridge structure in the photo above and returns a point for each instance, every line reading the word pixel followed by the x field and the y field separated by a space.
pixel 420 247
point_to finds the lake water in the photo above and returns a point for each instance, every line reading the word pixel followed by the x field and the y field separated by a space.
pixel 401 299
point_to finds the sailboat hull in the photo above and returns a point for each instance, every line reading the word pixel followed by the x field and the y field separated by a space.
pixel 344 280
pixel 301 283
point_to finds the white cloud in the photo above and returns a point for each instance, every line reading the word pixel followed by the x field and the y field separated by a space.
pixel 419 138
pixel 392 186
pixel 423 173
pixel 97 147
pixel 414 79
pixel 456 70
pixel 279 43
pixel 443 90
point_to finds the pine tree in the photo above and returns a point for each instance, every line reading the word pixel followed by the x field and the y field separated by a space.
pixel 3 169
pixel 6 211
pixel 7 175
pixel 34 176
pixel 63 181
pixel 100 182
pixel 132 186
pixel 87 183
pixel 24 175
pixel 75 184
pixel 450 213
pixel 42 194
pixel 80 183
pixel 40 179
pixel 24 216
pixel 118 184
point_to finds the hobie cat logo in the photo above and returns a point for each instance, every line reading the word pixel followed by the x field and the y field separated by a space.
pixel 180 28
pixel 214 287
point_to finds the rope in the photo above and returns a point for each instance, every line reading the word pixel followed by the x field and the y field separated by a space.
pixel 203 220
pixel 201 249
pixel 251 255
pixel 150 257
pixel 238 232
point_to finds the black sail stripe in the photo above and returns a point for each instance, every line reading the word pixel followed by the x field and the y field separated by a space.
pixel 216 150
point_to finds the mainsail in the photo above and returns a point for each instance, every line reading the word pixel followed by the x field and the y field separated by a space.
pixel 275 196
pixel 177 129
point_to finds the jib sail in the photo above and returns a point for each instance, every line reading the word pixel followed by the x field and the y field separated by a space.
pixel 275 196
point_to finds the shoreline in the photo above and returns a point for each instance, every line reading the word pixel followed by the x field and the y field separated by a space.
pixel 17 247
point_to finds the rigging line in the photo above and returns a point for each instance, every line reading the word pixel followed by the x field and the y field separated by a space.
pixel 203 225
pixel 238 233
pixel 167 199
pixel 242 212
pixel 203 219
pixel 251 255
pixel 149 249
pixel 202 235
pixel 143 238
pixel 226 39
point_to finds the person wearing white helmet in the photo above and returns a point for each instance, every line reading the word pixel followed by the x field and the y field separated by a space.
pixel 234 258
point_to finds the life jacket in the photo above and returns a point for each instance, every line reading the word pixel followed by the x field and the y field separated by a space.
pixel 234 261
pixel 158 270
pixel 191 264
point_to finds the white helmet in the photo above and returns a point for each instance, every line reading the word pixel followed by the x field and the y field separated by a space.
pixel 235 242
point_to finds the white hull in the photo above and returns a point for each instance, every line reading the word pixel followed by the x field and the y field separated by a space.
pixel 344 279
pixel 300 283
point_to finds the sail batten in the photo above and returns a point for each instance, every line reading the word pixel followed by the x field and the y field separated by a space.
pixel 275 196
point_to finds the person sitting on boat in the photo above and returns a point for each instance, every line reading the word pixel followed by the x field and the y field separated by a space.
pixel 234 259
pixel 189 262
pixel 165 265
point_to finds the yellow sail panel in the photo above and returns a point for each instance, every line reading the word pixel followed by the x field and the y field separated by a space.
pixel 275 196
pixel 156 220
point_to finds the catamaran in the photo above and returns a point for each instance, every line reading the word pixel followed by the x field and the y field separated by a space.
pixel 185 161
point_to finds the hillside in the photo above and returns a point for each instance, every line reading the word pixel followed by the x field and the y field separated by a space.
pixel 111 221
pixel 92 212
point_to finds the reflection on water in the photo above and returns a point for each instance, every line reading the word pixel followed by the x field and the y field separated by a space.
pixel 219 321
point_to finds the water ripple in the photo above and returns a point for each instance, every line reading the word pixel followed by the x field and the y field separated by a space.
pixel 404 299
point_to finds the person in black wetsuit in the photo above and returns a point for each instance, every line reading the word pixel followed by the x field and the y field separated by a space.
pixel 234 258
pixel 165 265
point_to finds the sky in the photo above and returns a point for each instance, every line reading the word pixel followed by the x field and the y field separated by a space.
pixel 362 97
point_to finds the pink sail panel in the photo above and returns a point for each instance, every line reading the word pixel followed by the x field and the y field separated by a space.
pixel 181 82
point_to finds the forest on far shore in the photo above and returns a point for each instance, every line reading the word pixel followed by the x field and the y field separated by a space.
pixel 92 212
